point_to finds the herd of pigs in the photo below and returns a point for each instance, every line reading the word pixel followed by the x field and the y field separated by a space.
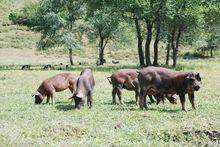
pixel 155 82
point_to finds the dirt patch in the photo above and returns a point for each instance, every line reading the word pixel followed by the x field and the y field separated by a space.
pixel 212 135
pixel 196 136
pixel 66 130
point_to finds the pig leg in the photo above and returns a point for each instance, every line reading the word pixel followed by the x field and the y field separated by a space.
pixel 136 97
pixel 137 90
pixel 113 95
pixel 151 99
pixel 48 99
pixel 90 99
pixel 145 101
pixel 162 99
pixel 142 97
pixel 191 99
pixel 182 100
pixel 119 96
pixel 119 91
pixel 53 98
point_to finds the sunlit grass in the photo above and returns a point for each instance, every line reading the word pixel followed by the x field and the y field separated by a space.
pixel 23 123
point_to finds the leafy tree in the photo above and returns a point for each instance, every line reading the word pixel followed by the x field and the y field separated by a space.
pixel 131 12
pixel 211 24
pixel 56 20
pixel 104 24
pixel 182 17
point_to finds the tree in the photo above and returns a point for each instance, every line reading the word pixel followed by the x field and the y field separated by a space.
pixel 211 24
pixel 55 19
pixel 104 24
pixel 182 17
pixel 131 11
pixel 158 18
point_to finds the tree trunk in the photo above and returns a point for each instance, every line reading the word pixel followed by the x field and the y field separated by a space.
pixel 71 56
pixel 157 38
pixel 140 41
pixel 147 44
pixel 102 45
pixel 101 51
pixel 173 45
pixel 175 52
pixel 168 49
pixel 211 51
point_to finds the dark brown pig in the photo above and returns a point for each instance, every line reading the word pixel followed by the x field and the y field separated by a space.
pixel 127 79
pixel 161 81
pixel 85 85
pixel 57 83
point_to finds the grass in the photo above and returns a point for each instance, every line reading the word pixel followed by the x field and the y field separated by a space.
pixel 24 124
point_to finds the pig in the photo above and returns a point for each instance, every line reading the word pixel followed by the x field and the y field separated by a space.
pixel 84 88
pixel 161 81
pixel 47 67
pixel 124 78
pixel 57 83
pixel 26 67
pixel 127 79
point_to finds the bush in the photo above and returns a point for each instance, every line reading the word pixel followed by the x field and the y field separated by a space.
pixel 28 16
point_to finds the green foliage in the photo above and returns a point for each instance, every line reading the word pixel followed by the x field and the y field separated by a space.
pixel 28 16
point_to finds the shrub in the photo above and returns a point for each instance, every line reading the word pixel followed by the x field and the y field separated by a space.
pixel 28 16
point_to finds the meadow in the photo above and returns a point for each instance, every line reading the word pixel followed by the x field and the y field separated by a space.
pixel 22 123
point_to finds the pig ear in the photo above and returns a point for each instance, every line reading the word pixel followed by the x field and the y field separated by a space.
pixel 189 76
pixel 36 93
pixel 80 95
pixel 199 75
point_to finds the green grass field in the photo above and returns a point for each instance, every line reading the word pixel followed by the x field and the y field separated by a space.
pixel 22 123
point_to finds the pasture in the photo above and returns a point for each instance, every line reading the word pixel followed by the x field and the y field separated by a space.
pixel 22 123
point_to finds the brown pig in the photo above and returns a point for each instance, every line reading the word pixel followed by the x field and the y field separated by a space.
pixel 127 79
pixel 161 81
pixel 85 85
pixel 57 83
pixel 124 78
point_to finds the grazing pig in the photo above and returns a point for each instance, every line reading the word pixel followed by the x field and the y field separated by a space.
pixel 54 84
pixel 26 67
pixel 161 81
pixel 84 87
pixel 127 79
pixel 47 67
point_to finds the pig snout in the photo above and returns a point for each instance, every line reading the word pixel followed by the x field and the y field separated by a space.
pixel 197 87
pixel 78 102
pixel 38 100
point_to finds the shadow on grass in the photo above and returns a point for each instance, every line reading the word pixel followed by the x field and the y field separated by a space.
pixel 133 107
pixel 126 103
pixel 164 110
pixel 64 107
